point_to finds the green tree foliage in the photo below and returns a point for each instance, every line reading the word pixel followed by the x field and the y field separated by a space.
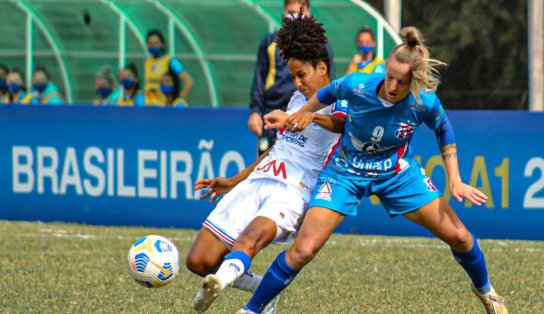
pixel 484 43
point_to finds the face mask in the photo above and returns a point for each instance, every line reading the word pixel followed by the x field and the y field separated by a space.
pixel 295 16
pixel 155 51
pixel 40 87
pixel 14 88
pixel 365 49
pixel 3 83
pixel 128 84
pixel 167 89
pixel 104 92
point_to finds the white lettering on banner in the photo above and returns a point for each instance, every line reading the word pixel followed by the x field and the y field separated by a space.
pixel 94 171
pixel 146 173
pixel 183 176
pixel 164 191
pixel 111 187
pixel 48 170
pixel 122 189
pixel 21 169
pixel 70 173
pixel 99 172
pixel 530 200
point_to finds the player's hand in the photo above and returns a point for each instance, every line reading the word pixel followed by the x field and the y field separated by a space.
pixel 255 123
pixel 298 121
pixel 217 186
pixel 461 190
pixel 274 119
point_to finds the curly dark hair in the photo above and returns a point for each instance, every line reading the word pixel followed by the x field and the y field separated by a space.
pixel 303 38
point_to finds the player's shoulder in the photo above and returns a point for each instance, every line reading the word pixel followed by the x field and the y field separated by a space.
pixel 365 78
pixel 297 100
pixel 428 98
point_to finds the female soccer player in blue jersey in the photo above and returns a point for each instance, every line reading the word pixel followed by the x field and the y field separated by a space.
pixel 375 157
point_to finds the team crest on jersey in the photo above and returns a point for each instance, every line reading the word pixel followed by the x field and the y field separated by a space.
pixel 324 192
pixel 404 131
pixel 430 186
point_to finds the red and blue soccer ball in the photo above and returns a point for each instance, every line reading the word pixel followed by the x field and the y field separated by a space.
pixel 153 261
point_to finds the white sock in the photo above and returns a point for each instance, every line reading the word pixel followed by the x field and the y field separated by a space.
pixel 248 282
pixel 229 271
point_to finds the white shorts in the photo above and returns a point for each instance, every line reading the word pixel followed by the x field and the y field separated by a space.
pixel 252 198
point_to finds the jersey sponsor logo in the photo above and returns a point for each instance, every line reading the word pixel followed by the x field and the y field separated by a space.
pixel 430 186
pixel 367 147
pixel 417 107
pixel 278 168
pixel 294 138
pixel 360 91
pixel 324 192
pixel 404 131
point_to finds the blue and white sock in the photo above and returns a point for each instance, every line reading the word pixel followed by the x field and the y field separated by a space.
pixel 278 276
pixel 247 282
pixel 474 264
pixel 234 265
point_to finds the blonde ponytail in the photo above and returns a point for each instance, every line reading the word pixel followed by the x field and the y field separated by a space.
pixel 425 74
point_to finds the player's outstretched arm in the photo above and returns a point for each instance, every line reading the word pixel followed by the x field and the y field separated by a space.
pixel 219 185
pixel 459 190
pixel 299 120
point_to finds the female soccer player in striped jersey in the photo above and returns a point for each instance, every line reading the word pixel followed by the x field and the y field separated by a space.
pixel 271 196
pixel 375 158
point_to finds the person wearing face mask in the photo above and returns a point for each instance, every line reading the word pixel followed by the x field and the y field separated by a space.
pixel 16 88
pixel 366 60
pixel 129 93
pixel 3 83
pixel 272 85
pixel 44 91
pixel 157 65
pixel 104 86
pixel 169 89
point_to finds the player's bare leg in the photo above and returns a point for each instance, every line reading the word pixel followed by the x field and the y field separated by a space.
pixel 440 218
pixel 206 253
pixel 258 234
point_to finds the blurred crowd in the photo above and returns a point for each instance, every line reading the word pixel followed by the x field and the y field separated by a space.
pixel 165 82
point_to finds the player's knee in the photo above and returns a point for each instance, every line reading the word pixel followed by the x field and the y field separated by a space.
pixel 198 265
pixel 301 255
pixel 461 240
pixel 252 241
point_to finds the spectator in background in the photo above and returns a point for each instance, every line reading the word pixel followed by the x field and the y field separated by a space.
pixel 366 60
pixel 129 93
pixel 45 91
pixel 157 65
pixel 3 83
pixel 104 86
pixel 16 88
pixel 169 89
pixel 272 85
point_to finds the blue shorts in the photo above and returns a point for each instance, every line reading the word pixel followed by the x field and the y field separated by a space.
pixel 408 191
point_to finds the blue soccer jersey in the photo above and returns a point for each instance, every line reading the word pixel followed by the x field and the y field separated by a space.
pixel 376 143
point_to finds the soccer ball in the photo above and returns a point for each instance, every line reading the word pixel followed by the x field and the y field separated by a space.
pixel 153 261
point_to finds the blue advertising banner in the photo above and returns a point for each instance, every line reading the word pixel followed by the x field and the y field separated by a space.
pixel 116 165
pixel 137 166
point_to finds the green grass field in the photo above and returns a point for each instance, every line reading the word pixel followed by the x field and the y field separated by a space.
pixel 68 268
